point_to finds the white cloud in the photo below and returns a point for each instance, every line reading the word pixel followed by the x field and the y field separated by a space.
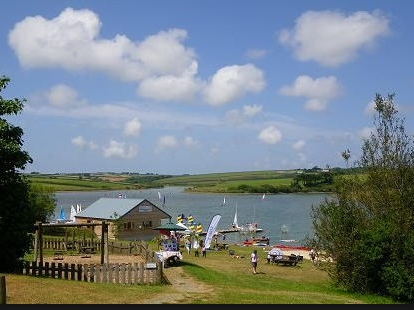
pixel 331 38
pixel 190 142
pixel 252 110
pixel 318 91
pixel 72 41
pixel 230 83
pixel 81 143
pixel 166 142
pixel 270 135
pixel 162 67
pixel 133 127
pixel 299 145
pixel 117 149
pixel 236 116
pixel 169 87
pixel 60 97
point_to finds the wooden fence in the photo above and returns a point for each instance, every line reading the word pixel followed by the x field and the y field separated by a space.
pixel 148 272
pixel 114 247
pixel 128 274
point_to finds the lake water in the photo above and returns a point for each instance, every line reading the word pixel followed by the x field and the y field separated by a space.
pixel 281 216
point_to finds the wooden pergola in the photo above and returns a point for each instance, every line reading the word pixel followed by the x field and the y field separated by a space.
pixel 38 248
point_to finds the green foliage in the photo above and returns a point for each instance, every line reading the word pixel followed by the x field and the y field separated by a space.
pixel 43 202
pixel 117 224
pixel 366 233
pixel 15 211
pixel 22 203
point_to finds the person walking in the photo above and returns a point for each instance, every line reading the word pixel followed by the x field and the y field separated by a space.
pixel 254 259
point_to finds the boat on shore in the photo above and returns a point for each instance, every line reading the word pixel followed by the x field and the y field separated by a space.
pixel 262 241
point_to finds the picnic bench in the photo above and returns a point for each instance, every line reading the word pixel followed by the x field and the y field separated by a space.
pixel 287 260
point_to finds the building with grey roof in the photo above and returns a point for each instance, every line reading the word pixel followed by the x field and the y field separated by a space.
pixel 129 219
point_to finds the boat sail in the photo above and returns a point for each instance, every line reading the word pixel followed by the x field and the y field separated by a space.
pixel 235 224
pixel 72 214
pixel 248 228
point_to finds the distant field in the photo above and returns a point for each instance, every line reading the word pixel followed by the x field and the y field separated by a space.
pixel 75 183
pixel 217 182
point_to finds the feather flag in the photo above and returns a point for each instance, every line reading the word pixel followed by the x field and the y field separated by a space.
pixel 211 230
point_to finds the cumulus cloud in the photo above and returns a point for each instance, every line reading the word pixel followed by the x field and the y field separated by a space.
pixel 318 92
pixel 133 127
pixel 72 41
pixel 166 142
pixel 270 135
pixel 232 82
pixel 59 97
pixel 81 143
pixel 299 145
pixel 163 68
pixel 121 150
pixel 247 111
pixel 190 142
pixel 252 110
pixel 332 38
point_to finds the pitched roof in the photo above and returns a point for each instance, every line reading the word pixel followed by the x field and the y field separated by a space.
pixel 104 208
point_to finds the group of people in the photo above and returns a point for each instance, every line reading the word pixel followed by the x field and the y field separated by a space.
pixel 196 251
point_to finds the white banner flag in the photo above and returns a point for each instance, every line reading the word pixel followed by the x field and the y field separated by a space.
pixel 211 230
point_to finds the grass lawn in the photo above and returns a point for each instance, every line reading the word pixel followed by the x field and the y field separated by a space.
pixel 229 281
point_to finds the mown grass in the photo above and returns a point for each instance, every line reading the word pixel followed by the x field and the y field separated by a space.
pixel 230 281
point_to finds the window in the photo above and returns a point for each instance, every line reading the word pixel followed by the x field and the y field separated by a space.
pixel 147 224
pixel 129 226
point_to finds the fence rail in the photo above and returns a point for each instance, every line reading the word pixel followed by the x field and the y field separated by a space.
pixel 148 272
pixel 131 274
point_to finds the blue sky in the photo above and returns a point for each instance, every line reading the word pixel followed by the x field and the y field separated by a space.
pixel 176 87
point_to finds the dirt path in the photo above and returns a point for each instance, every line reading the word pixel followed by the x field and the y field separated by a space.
pixel 183 288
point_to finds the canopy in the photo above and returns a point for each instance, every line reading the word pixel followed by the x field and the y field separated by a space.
pixel 170 227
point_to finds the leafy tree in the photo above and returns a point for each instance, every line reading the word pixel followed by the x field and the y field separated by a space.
pixel 15 214
pixel 366 233
pixel 42 202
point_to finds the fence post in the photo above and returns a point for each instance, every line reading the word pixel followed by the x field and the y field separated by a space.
pixel 3 290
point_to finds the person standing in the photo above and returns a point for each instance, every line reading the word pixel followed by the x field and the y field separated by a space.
pixel 312 255
pixel 203 248
pixel 188 245
pixel 254 259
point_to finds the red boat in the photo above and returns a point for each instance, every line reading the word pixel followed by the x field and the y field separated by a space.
pixel 262 241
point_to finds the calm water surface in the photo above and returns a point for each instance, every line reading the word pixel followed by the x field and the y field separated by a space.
pixel 282 216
